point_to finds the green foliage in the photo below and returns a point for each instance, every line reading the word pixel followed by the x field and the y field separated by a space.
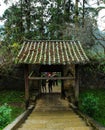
pixel 99 95
pixel 15 48
pixel 47 20
pixel 11 96
pixel 16 111
pixel 15 101
pixel 5 115
pixel 89 104
pixel 6 59
pixel 8 54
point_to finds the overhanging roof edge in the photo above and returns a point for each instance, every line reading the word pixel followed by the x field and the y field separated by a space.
pixel 52 52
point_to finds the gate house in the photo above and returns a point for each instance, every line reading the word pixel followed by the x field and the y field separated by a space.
pixel 51 56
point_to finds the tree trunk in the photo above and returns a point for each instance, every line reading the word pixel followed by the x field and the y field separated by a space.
pixel 76 13
pixel 76 84
pixel 83 13
pixel 28 21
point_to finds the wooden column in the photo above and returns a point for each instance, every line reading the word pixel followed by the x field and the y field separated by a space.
pixel 76 84
pixel 26 73
pixel 62 86
pixel 39 86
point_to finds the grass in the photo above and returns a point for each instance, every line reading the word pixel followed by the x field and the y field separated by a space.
pixel 100 94
pixel 15 99
pixel 16 111
pixel 11 96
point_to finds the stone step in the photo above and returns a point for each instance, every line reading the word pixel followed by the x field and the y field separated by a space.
pixel 67 128
pixel 57 113
pixel 54 120
pixel 53 113
pixel 53 117
pixel 54 125
pixel 78 128
pixel 53 109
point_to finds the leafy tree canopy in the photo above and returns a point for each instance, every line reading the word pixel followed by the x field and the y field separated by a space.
pixel 52 19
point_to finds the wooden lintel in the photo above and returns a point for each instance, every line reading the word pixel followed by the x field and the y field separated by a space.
pixel 53 78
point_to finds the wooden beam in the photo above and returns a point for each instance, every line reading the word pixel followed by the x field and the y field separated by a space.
pixel 50 68
pixel 53 78
pixel 26 71
pixel 76 84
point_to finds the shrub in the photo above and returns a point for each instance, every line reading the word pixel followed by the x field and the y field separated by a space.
pixel 5 115
pixel 89 104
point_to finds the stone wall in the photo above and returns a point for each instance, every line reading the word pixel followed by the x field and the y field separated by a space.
pixel 13 80
pixel 91 79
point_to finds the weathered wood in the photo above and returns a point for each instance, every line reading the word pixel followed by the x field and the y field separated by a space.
pixel 76 84
pixel 26 71
pixel 53 78
pixel 50 68
pixel 62 85
pixel 31 73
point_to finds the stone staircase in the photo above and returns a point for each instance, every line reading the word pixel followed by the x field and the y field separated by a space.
pixel 53 113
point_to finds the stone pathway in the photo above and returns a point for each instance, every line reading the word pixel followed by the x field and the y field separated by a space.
pixel 53 113
pixel 55 88
pixel 51 102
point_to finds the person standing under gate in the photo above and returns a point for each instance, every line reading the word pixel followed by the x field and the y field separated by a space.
pixel 55 81
pixel 43 85
pixel 50 82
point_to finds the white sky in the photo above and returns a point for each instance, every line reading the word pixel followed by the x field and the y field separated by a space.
pixel 101 20
pixel 3 7
pixel 101 17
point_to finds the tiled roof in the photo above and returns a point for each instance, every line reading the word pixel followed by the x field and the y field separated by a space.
pixel 52 52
